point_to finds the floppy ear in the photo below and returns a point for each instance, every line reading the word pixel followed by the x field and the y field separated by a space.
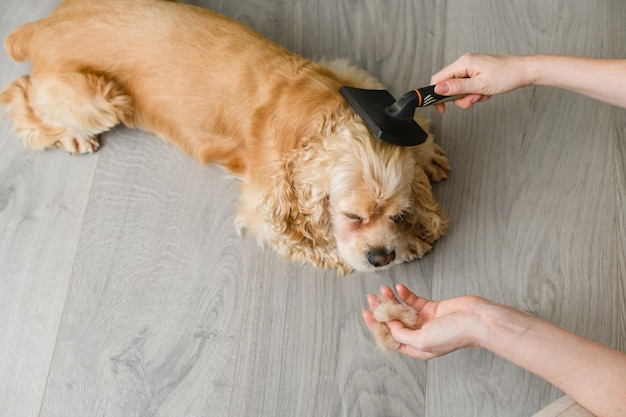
pixel 429 221
pixel 296 207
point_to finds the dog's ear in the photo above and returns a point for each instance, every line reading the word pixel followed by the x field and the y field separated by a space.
pixel 296 206
pixel 428 220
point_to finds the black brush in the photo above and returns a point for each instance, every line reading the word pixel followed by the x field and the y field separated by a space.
pixel 389 119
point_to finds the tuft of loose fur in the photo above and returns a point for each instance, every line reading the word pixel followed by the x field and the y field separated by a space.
pixel 389 310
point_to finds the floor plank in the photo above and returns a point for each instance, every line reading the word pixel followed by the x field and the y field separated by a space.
pixel 293 355
pixel 156 302
pixel 43 198
pixel 43 202
pixel 305 351
pixel 532 212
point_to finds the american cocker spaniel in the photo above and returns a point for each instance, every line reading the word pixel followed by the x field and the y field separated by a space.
pixel 316 185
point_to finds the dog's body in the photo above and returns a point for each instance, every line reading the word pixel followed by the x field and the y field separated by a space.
pixel 317 185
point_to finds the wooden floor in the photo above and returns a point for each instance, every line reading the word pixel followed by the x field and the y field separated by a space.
pixel 125 290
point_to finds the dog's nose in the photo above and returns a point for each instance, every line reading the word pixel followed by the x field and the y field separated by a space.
pixel 381 256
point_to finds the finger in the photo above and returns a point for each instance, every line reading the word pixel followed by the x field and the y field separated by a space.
pixel 410 298
pixel 387 293
pixel 442 88
pixel 373 301
pixel 458 86
pixel 402 334
pixel 370 321
pixel 397 325
pixel 468 101
pixel 441 108
pixel 407 338
pixel 454 70
pixel 415 353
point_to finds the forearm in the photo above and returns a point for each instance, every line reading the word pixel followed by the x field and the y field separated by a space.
pixel 479 77
pixel 592 374
pixel 601 79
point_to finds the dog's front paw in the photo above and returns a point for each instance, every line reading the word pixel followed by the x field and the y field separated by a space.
pixel 438 166
pixel 415 248
pixel 79 145
pixel 433 160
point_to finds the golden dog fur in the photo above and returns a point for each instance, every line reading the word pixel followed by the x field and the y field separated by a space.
pixel 317 186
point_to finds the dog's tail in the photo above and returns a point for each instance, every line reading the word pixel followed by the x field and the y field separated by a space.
pixel 18 41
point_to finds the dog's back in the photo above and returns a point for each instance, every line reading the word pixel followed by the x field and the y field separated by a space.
pixel 194 77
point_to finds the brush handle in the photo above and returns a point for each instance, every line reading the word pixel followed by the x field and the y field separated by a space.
pixel 404 107
pixel 426 96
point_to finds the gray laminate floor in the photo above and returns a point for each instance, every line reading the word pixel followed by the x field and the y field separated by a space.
pixel 125 290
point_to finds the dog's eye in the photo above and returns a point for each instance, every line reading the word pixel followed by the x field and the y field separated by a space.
pixel 354 217
pixel 397 218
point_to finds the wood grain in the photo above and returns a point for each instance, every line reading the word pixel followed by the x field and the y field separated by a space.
pixel 305 351
pixel 126 291
pixel 155 306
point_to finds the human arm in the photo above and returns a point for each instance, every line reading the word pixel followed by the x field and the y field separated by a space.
pixel 482 76
pixel 592 374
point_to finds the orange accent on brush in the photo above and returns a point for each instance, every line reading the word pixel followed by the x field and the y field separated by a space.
pixel 419 98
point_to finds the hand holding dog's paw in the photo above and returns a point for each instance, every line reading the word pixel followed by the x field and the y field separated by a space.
pixel 423 328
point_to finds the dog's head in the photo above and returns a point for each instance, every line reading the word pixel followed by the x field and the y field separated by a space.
pixel 347 192
pixel 370 198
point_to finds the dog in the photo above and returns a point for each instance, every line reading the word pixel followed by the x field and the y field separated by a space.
pixel 316 184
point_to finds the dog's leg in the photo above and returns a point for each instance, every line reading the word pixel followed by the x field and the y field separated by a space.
pixel 432 159
pixel 430 221
pixel 425 224
pixel 66 110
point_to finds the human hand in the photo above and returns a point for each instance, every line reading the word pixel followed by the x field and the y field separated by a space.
pixel 480 77
pixel 442 327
